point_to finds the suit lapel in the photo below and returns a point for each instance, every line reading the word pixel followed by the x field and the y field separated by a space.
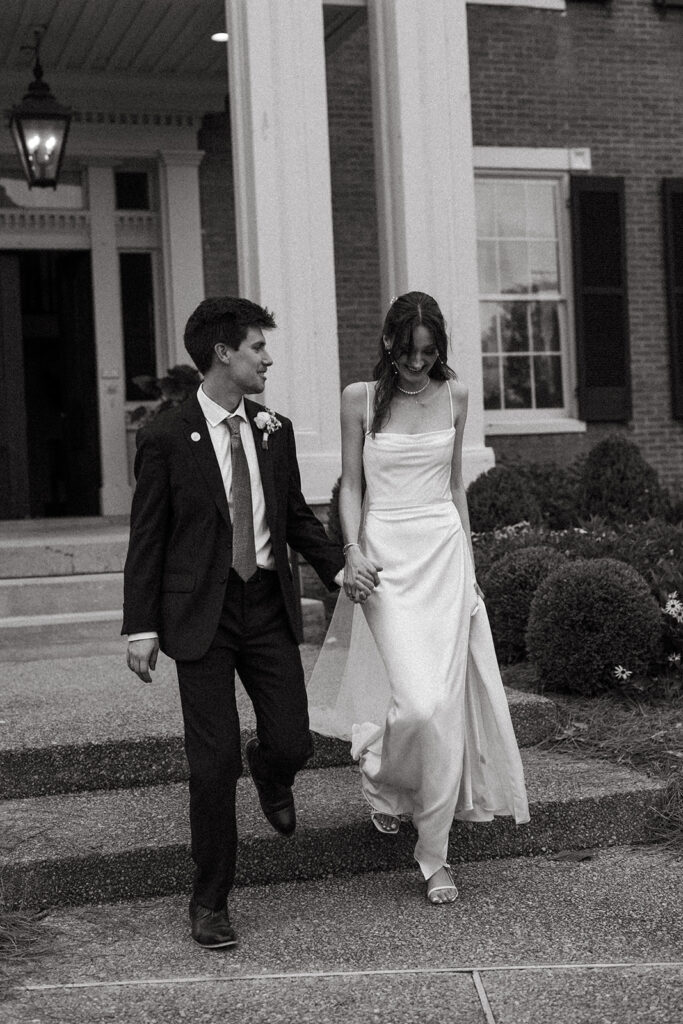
pixel 265 462
pixel 197 436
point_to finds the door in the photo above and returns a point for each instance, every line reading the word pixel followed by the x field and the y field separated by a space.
pixel 52 426
pixel 14 478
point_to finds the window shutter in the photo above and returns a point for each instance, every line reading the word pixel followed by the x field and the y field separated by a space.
pixel 673 243
pixel 602 346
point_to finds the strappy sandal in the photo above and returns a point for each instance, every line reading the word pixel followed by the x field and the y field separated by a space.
pixel 390 829
pixel 440 888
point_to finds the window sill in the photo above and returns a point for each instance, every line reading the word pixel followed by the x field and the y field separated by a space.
pixel 552 425
pixel 548 5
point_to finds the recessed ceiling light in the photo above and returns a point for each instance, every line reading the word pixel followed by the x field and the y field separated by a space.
pixel 220 37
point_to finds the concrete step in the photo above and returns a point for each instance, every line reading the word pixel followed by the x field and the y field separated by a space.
pixel 81 723
pixel 58 610
pixel 372 935
pixel 42 596
pixel 125 844
pixel 62 547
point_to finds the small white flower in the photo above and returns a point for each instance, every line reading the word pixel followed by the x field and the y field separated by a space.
pixel 267 421
pixel 619 672
pixel 674 607
pixel 674 659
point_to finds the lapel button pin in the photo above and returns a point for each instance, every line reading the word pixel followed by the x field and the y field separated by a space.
pixel 194 436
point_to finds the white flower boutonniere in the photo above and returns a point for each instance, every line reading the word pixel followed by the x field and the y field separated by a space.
pixel 268 422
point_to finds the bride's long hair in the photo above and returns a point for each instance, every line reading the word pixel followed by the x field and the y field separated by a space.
pixel 405 314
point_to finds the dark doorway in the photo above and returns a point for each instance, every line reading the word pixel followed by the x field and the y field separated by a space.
pixel 53 363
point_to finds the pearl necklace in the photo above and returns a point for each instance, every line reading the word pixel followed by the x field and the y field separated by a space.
pixel 419 390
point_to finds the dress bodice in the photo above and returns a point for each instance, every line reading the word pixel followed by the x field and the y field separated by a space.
pixel 408 470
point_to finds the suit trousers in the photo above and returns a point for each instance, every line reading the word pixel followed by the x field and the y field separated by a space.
pixel 253 638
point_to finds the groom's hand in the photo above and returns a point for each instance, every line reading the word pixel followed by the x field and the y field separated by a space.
pixel 142 657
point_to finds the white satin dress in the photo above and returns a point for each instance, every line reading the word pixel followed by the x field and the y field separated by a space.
pixel 420 695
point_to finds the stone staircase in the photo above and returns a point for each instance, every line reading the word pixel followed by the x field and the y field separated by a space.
pixel 93 793
pixel 62 580
pixel 93 797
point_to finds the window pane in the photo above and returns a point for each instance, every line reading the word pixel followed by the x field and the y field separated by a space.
pixel 517 382
pixel 543 266
pixel 137 307
pixel 489 326
pixel 545 327
pixel 548 376
pixel 541 210
pixel 514 267
pixel 514 331
pixel 491 383
pixel 488 274
pixel 484 192
pixel 132 190
pixel 511 209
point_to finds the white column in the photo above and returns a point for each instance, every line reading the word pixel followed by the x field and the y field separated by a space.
pixel 425 179
pixel 278 111
pixel 181 239
pixel 111 384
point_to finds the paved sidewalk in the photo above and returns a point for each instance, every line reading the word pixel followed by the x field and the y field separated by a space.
pixel 531 941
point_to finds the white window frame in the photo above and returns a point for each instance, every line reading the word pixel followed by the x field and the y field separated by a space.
pixel 547 165
pixel 548 5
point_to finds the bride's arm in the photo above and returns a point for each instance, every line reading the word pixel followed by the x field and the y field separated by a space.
pixel 360 574
pixel 459 392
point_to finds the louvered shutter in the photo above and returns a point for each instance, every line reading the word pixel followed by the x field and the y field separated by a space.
pixel 673 243
pixel 601 300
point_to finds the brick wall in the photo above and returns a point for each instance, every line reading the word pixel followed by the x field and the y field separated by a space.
pixel 354 210
pixel 607 76
pixel 217 205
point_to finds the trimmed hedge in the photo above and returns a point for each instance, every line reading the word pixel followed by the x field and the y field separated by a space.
pixel 509 587
pixel 500 497
pixel 617 483
pixel 587 618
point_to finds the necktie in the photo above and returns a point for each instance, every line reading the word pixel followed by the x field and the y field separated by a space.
pixel 243 547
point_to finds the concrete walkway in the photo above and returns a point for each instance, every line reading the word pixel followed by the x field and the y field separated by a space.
pixel 530 941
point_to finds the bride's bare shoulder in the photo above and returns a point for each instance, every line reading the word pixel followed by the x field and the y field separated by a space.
pixel 355 394
pixel 458 390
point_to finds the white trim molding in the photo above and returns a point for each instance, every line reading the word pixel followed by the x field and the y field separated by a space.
pixel 526 158
pixel 550 425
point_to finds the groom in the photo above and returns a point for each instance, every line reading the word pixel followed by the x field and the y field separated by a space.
pixel 207 579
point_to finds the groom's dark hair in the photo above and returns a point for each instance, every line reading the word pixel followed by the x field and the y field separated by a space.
pixel 226 320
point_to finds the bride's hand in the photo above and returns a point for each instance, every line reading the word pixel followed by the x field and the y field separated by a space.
pixel 361 575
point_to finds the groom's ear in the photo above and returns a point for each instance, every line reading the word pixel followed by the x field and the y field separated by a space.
pixel 222 352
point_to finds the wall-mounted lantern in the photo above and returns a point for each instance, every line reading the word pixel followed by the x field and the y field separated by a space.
pixel 39 127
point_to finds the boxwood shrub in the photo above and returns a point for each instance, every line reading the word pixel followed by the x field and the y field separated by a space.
pixel 509 587
pixel 587 618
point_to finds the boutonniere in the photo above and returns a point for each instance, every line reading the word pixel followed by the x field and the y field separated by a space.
pixel 268 422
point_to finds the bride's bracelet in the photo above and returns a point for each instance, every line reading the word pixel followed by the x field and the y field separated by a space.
pixel 352 544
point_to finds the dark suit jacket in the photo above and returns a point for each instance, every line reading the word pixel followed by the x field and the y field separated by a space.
pixel 180 549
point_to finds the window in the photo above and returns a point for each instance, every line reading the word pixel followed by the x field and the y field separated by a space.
pixel 132 190
pixel 523 288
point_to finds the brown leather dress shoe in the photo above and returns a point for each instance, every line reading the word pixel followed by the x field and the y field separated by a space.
pixel 277 802
pixel 211 928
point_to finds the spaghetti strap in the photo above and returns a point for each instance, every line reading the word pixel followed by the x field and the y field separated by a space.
pixel 367 408
pixel 450 396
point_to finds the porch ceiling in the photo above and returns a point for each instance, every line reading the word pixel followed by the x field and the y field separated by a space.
pixel 141 38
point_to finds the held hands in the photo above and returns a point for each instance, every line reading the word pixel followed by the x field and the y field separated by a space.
pixel 142 657
pixel 361 576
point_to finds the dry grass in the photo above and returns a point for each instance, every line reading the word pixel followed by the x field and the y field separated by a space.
pixel 20 941
pixel 633 728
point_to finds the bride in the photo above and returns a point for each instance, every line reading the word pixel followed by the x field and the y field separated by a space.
pixel 419 692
